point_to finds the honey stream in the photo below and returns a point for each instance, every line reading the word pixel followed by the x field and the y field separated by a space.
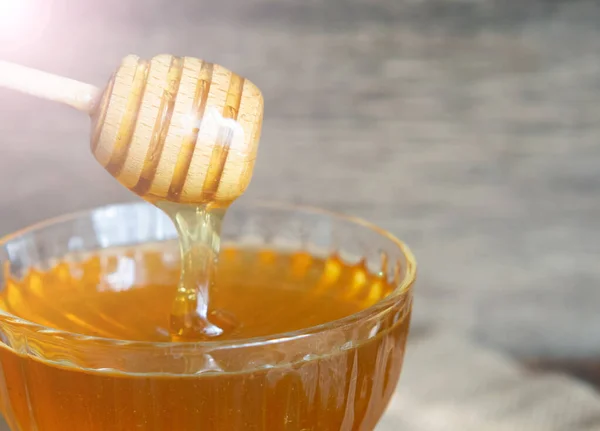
pixel 199 232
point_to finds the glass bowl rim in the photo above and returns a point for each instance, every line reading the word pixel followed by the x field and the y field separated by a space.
pixel 402 291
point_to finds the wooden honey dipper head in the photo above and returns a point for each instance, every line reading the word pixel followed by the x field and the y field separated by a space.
pixel 178 129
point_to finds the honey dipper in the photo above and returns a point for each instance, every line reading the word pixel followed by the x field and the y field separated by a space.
pixel 174 129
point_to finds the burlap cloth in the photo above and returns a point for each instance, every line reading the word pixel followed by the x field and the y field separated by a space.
pixel 451 384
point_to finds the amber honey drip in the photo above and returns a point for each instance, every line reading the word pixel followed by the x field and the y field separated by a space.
pixel 193 316
pixel 264 291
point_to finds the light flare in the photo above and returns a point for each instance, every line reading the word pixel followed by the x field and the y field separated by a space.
pixel 214 124
pixel 14 17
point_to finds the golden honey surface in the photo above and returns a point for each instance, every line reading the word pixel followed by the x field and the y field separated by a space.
pixel 258 292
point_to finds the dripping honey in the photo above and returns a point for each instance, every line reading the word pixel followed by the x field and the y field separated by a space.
pixel 193 315
pixel 127 294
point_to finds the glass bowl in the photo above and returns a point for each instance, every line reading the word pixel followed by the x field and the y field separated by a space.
pixel 335 376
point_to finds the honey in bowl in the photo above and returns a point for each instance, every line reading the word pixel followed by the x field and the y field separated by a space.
pixel 312 342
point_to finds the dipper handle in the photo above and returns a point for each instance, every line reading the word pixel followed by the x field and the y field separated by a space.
pixel 45 85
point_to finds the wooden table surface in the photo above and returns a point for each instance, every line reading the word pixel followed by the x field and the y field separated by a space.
pixel 468 128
